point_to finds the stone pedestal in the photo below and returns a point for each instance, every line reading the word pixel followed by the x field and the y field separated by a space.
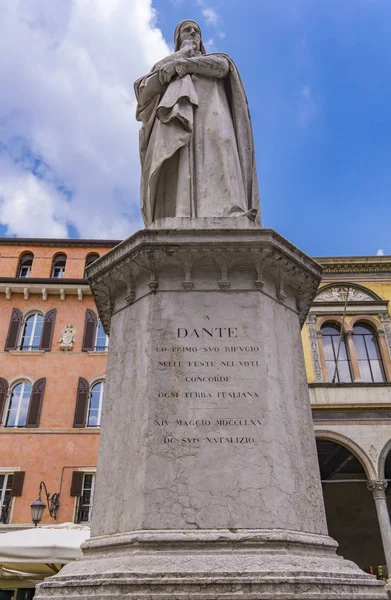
pixel 208 484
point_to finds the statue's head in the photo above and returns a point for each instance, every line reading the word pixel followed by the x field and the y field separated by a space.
pixel 188 30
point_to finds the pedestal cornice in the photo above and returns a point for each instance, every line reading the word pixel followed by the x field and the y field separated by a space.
pixel 136 266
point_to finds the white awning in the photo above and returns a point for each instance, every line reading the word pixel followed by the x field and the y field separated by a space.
pixel 39 552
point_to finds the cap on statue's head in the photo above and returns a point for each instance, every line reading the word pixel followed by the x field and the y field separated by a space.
pixel 178 31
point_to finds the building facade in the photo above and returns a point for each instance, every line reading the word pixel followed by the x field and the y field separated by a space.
pixel 53 354
pixel 347 346
pixel 52 370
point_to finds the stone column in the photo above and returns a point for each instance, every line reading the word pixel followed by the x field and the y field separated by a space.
pixel 378 489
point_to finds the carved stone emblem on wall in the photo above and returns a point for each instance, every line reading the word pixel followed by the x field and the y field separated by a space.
pixel 311 326
pixel 373 453
pixel 386 322
pixel 68 337
pixel 338 294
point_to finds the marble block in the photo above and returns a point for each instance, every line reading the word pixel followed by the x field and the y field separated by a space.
pixel 207 481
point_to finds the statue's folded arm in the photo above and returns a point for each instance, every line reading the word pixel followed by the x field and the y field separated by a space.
pixel 209 65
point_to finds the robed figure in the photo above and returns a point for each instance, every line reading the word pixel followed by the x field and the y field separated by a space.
pixel 196 141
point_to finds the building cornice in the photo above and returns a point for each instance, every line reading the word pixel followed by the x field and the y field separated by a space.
pixel 354 264
pixel 44 287
pixel 43 280
pixel 63 242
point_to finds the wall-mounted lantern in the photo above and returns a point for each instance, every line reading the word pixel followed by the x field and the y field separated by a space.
pixel 38 507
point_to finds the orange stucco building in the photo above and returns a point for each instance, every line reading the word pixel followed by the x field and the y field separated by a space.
pixel 51 381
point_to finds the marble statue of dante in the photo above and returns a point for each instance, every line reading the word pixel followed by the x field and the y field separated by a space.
pixel 196 141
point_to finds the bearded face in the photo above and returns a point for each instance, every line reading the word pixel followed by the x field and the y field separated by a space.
pixel 190 32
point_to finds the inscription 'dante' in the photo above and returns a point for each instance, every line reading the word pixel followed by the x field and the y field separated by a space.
pixel 204 333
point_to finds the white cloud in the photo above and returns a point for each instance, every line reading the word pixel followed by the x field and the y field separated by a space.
pixel 68 134
pixel 210 45
pixel 380 252
pixel 29 204
pixel 308 107
pixel 210 15
pixel 212 19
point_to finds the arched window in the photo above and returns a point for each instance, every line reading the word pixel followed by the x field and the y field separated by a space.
pixel 18 405
pixel 58 268
pixel 368 353
pixel 31 333
pixel 89 260
pixel 25 264
pixel 95 405
pixel 331 334
pixel 101 340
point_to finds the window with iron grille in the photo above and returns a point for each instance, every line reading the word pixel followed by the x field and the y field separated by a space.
pixel 86 500
pixel 6 480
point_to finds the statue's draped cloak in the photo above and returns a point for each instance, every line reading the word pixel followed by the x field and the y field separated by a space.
pixel 196 144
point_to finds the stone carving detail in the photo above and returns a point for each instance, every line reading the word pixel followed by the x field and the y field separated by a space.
pixel 311 326
pixel 385 319
pixel 378 488
pixel 373 453
pixel 68 337
pixel 338 294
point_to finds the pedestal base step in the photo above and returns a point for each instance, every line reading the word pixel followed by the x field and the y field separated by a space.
pixel 211 565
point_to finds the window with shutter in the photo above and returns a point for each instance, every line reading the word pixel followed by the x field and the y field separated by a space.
pixel 32 331
pixel 89 330
pixel 34 411
pixel 86 499
pixel 6 482
pixel 47 330
pixel 77 483
pixel 17 483
pixel 14 328
pixel 95 404
pixel 101 340
pixel 83 393
pixel 19 402
pixel 3 397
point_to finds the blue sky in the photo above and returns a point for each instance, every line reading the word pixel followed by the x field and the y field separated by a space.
pixel 318 81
